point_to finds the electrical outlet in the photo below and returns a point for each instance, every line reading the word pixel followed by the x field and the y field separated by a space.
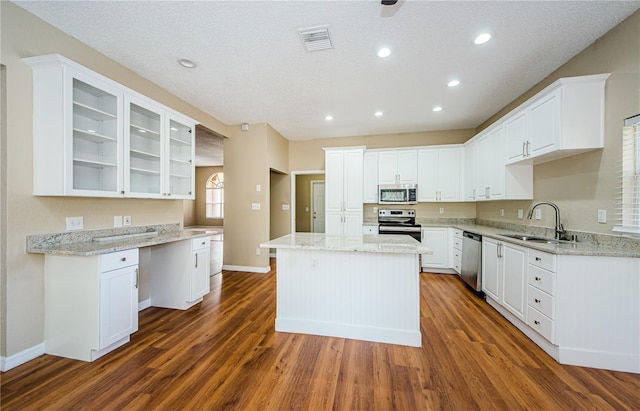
pixel 602 216
pixel 502 212
pixel 75 223
pixel 538 214
pixel 255 206
pixel 117 221
pixel 258 188
pixel 285 207
pixel 441 210
pixel 257 251
pixel 126 220
pixel 520 213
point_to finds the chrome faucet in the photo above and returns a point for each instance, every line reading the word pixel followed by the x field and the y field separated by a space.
pixel 559 227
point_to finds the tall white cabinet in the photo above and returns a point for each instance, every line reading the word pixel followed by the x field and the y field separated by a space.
pixel 94 137
pixel 344 190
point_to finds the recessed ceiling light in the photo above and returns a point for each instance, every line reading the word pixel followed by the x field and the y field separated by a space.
pixel 187 63
pixel 328 118
pixel 438 108
pixel 378 114
pixel 384 52
pixel 453 83
pixel 483 38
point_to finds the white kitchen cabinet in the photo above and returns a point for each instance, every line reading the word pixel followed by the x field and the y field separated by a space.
pixel 91 303
pixel 470 171
pixel 94 137
pixel 541 293
pixel 564 119
pixel 370 229
pixel 504 275
pixel 370 177
pixel 437 239
pixel 439 174
pixel 456 249
pixel 343 191
pixel 398 167
pixel 181 273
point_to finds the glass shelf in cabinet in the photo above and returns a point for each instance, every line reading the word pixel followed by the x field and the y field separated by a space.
pixel 93 163
pixel 144 155
pixel 91 112
pixel 92 136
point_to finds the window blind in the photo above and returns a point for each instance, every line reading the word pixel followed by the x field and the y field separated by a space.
pixel 629 218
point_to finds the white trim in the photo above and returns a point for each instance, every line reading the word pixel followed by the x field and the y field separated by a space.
pixel 294 175
pixel 630 230
pixel 143 305
pixel 7 363
pixel 313 202
pixel 248 269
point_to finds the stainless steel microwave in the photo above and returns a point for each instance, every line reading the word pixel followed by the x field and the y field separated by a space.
pixel 398 194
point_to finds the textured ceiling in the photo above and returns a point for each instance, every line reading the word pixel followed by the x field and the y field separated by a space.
pixel 252 67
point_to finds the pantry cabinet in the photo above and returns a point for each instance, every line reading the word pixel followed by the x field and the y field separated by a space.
pixel 343 191
pixel 93 137
pixel 91 303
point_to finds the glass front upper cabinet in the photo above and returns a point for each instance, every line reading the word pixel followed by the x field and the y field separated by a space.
pixel 144 152
pixel 181 154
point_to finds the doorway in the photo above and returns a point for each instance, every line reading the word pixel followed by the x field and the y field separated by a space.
pixel 317 206
pixel 301 195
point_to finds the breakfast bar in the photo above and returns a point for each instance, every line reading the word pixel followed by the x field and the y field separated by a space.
pixel 360 287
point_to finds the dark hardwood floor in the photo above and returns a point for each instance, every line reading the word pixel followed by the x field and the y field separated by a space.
pixel 224 354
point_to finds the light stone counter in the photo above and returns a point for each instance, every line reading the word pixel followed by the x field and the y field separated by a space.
pixel 395 244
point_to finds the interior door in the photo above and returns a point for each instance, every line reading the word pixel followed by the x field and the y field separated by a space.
pixel 317 206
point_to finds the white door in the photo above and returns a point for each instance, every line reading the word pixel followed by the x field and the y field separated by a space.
pixel 317 206
pixel 118 304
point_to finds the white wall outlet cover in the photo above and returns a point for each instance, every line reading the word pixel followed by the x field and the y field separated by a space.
pixel 306 209
pixel 502 212
pixel 258 187
pixel 538 214
pixel 602 216
pixel 520 213
pixel 255 206
pixel 441 210
pixel 285 207
pixel 257 251
pixel 75 223
pixel 117 221
pixel 126 220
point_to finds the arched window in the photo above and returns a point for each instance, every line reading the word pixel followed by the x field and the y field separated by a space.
pixel 215 196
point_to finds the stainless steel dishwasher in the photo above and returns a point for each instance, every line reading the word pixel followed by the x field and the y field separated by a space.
pixel 471 269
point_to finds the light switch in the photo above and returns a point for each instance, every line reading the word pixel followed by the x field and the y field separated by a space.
pixel 255 206
pixel 520 213
pixel 258 188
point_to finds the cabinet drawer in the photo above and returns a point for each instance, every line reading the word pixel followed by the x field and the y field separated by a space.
pixel 541 301
pixel 542 279
pixel 457 233
pixel 457 243
pixel 541 323
pixel 542 260
pixel 120 259
pixel 370 229
pixel 200 243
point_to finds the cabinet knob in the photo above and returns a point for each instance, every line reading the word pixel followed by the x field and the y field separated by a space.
pixel 537 301
pixel 538 278
pixel 536 322
pixel 123 259
pixel 538 259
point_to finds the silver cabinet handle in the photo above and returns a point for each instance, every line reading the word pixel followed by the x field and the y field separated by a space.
pixel 524 152
pixel 536 322
pixel 528 148
pixel 196 260
pixel 137 277
pixel 538 259
pixel 538 279
pixel 537 301
pixel 123 259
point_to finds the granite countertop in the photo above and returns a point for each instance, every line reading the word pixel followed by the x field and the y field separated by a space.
pixel 395 244
pixel 63 244
pixel 589 245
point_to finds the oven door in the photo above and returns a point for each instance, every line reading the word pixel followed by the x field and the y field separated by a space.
pixel 413 231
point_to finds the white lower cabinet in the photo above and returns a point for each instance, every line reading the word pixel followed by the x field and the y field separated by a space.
pixel 91 303
pixel 456 249
pixel 437 239
pixel 180 273
pixel 504 275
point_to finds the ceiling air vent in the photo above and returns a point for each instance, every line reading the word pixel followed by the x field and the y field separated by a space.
pixel 316 38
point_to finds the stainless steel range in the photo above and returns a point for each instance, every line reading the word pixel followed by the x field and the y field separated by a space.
pixel 399 222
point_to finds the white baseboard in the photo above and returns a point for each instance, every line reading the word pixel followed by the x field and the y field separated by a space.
pixel 144 304
pixel 248 269
pixel 7 363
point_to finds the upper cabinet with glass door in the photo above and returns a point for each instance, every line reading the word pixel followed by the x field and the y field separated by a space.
pixel 77 131
pixel 94 137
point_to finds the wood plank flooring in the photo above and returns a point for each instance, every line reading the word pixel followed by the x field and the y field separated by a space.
pixel 224 354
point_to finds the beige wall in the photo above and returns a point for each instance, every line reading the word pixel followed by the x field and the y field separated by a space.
pixel 24 35
pixel 303 200
pixel 584 183
pixel 280 194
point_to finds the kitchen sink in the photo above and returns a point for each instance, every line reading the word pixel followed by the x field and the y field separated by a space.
pixel 532 238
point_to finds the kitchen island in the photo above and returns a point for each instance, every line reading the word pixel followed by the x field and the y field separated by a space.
pixel 360 287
